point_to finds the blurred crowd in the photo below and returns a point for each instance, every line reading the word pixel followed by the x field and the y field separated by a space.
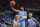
pixel 6 19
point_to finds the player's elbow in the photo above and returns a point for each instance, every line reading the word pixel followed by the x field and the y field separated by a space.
pixel 37 23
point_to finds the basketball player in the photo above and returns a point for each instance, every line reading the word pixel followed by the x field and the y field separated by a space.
pixel 22 16
pixel 15 22
pixel 32 21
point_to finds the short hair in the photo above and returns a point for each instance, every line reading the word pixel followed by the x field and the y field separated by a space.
pixel 22 7
pixel 30 14
pixel 16 15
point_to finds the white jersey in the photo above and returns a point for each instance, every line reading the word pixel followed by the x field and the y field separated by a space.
pixel 15 23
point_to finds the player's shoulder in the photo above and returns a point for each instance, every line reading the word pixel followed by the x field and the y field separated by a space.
pixel 25 11
pixel 33 18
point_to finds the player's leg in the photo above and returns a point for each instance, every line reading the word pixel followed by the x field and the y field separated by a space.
pixel 19 23
pixel 23 24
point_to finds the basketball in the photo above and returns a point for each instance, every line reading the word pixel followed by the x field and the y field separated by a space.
pixel 12 3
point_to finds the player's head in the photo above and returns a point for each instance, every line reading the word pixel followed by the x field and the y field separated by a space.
pixel 30 15
pixel 16 16
pixel 22 8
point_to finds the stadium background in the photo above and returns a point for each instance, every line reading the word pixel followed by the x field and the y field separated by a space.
pixel 6 14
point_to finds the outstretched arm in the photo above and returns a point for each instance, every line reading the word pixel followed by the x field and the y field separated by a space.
pixel 14 9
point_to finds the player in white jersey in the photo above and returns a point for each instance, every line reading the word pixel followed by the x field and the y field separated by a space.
pixel 22 16
pixel 32 21
pixel 15 22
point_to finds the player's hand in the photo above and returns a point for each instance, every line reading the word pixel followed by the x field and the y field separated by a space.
pixel 21 17
pixel 11 6
pixel 34 25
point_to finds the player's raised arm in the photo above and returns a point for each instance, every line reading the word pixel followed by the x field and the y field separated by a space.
pixel 14 9
pixel 12 3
